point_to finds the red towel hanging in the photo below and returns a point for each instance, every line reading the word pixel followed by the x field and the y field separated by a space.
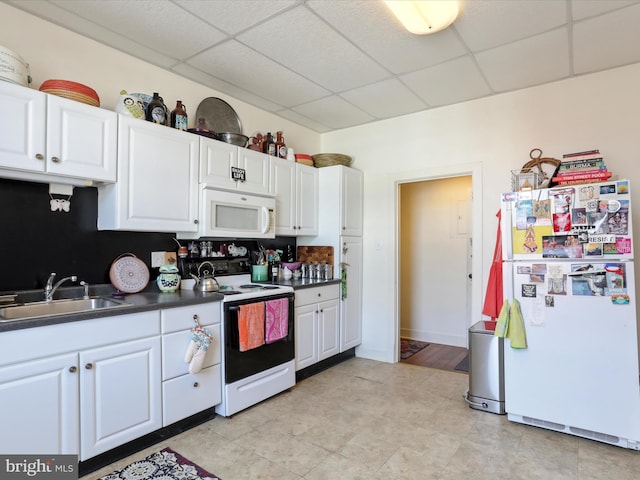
pixel 494 296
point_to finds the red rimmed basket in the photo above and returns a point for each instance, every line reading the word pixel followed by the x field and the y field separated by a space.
pixel 73 90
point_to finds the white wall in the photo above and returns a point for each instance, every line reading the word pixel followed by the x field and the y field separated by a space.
pixel 491 136
pixel 55 53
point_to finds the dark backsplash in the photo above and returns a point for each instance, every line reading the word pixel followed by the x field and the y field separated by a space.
pixel 35 241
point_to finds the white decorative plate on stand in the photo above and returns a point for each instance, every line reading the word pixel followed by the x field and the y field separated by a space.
pixel 129 274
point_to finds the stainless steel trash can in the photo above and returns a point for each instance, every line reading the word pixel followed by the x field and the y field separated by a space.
pixel 486 369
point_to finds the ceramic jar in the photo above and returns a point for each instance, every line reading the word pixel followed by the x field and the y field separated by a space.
pixel 169 279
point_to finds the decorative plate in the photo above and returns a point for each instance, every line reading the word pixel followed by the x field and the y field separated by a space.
pixel 216 115
pixel 129 274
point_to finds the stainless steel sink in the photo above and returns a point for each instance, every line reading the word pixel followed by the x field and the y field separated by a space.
pixel 57 307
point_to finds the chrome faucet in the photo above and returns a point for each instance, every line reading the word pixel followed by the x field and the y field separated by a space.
pixel 86 289
pixel 50 289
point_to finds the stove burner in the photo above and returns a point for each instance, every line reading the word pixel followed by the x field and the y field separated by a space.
pixel 228 292
pixel 270 287
pixel 251 286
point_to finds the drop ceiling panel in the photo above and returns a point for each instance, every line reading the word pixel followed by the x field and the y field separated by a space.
pixel 198 76
pixel 333 112
pixel 607 41
pixel 304 121
pixel 547 60
pixel 385 99
pixel 451 82
pixel 381 38
pixel 489 23
pixel 233 16
pixel 251 71
pixel 156 24
pixel 323 56
pixel 588 8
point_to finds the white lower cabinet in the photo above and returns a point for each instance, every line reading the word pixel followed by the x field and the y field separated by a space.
pixel 39 411
pixel 87 387
pixel 183 393
pixel 317 324
pixel 119 394
pixel 80 387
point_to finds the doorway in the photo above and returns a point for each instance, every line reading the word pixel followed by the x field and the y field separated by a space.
pixel 435 256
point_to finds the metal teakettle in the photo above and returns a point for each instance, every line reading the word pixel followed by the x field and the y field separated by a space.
pixel 205 282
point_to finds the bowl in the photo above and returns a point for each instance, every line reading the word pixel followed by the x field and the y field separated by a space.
pixel 291 265
pixel 233 138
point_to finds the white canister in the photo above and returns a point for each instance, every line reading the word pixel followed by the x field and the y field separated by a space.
pixel 13 68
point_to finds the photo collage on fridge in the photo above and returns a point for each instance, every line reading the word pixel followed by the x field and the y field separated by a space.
pixel 585 225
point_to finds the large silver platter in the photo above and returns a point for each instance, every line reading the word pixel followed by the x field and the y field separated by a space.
pixel 216 115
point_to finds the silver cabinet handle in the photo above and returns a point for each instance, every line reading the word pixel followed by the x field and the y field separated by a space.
pixel 196 385
pixel 73 369
pixel 39 156
pixel 88 366
pixel 55 159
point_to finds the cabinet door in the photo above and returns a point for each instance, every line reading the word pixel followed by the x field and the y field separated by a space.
pixel 352 192
pixel 328 329
pixel 120 394
pixel 39 411
pixel 81 140
pixel 216 160
pixel 307 191
pixel 22 123
pixel 351 308
pixel 157 189
pixel 283 186
pixel 256 166
pixel 306 332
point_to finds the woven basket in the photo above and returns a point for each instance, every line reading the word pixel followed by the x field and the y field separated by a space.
pixel 329 159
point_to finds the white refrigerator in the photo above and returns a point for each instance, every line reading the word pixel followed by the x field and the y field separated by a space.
pixel 568 261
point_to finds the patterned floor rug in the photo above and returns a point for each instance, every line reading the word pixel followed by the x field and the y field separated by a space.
pixel 410 347
pixel 163 465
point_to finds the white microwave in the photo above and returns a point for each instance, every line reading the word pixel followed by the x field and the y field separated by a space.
pixel 235 215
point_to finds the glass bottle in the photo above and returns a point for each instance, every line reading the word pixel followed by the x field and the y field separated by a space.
pixel 156 110
pixel 281 148
pixel 269 146
pixel 179 116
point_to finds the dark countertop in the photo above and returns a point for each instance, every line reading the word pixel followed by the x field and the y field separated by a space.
pixel 149 299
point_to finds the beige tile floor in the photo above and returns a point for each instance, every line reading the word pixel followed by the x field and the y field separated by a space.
pixel 370 420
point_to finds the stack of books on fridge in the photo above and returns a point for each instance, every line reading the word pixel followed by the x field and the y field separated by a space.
pixel 581 167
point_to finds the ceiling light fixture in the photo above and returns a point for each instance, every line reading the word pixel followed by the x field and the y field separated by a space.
pixel 424 16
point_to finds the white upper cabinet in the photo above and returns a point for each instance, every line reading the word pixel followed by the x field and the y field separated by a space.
pixel 351 211
pixel 341 200
pixel 52 139
pixel 157 189
pixel 219 161
pixel 295 187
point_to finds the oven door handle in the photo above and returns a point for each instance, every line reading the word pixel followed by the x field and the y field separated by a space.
pixel 234 309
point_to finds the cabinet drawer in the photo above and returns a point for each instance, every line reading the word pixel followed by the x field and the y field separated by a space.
pixel 189 394
pixel 307 296
pixel 174 319
pixel 174 347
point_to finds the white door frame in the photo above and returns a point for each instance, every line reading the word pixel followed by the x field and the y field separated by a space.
pixel 475 171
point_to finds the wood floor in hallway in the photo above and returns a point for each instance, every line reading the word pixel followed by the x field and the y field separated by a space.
pixel 443 357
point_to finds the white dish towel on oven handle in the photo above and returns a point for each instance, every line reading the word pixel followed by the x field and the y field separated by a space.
pixel 197 349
